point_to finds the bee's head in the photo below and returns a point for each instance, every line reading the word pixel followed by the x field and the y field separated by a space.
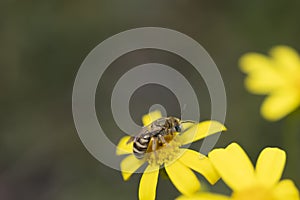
pixel 177 124
pixel 178 128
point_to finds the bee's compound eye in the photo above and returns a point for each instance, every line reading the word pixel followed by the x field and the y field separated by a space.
pixel 178 128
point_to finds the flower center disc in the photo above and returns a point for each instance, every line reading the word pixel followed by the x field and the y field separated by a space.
pixel 164 152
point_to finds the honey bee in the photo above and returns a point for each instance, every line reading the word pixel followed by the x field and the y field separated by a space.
pixel 157 131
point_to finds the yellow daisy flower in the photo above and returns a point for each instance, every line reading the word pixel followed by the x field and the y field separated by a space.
pixel 247 183
pixel 277 76
pixel 178 162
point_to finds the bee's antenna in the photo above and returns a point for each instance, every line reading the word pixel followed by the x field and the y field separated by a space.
pixel 131 139
pixel 189 121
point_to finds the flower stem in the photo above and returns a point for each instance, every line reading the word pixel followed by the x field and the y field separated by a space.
pixel 291 138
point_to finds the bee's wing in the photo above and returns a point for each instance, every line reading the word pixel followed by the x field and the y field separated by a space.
pixel 142 132
pixel 159 122
pixel 150 129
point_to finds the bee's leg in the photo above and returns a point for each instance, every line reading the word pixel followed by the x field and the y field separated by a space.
pixel 154 146
pixel 162 139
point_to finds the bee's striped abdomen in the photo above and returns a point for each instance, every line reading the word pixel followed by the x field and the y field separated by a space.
pixel 140 146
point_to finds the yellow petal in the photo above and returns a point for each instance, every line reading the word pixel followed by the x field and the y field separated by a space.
pixel 269 166
pixel 148 183
pixel 150 117
pixel 123 147
pixel 129 165
pixel 201 164
pixel 265 82
pixel 286 189
pixel 201 130
pixel 263 76
pixel 234 166
pixel 186 126
pixel 281 103
pixel 252 62
pixel 204 196
pixel 286 58
pixel 183 178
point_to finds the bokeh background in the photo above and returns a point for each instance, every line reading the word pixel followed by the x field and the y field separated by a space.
pixel 42 45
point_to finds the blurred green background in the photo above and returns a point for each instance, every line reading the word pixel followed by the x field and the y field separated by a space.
pixel 42 45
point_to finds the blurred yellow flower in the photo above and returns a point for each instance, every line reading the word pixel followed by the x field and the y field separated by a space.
pixel 247 183
pixel 178 162
pixel 277 76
